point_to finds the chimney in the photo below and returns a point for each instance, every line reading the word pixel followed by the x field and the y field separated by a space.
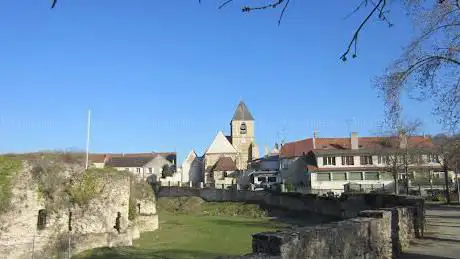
pixel 315 136
pixel 354 140
pixel 402 140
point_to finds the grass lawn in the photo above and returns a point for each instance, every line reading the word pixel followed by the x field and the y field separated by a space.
pixel 186 236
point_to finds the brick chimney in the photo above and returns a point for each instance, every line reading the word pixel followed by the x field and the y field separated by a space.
pixel 354 140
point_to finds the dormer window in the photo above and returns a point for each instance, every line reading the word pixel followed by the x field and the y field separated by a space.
pixel 243 128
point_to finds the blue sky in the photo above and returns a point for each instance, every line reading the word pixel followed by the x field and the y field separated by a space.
pixel 167 75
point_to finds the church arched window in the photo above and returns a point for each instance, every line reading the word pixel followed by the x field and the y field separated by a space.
pixel 243 128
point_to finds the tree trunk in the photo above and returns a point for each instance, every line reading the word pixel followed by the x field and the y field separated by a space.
pixel 446 181
pixel 395 178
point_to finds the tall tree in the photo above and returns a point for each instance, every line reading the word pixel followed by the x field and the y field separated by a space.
pixel 398 154
pixel 429 67
pixel 447 149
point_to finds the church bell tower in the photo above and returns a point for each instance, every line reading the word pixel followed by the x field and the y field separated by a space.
pixel 243 139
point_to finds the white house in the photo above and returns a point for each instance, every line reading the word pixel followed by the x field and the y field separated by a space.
pixel 144 165
pixel 330 163
pixel 192 168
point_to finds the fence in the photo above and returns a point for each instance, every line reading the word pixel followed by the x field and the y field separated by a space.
pixel 38 247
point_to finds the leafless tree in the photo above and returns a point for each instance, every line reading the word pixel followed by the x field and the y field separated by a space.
pixel 397 153
pixel 447 150
pixel 429 67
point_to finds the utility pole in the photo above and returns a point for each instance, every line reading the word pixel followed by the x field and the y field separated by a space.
pixel 87 138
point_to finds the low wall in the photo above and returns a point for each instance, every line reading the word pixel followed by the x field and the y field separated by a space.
pixel 373 225
pixel 362 237
pixel 347 206
pixel 147 223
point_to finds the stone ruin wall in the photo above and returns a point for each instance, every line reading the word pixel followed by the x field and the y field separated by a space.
pixel 368 226
pixel 92 226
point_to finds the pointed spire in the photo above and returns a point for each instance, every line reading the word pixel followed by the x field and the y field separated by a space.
pixel 242 113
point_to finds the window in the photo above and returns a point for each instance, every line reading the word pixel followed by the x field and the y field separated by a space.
pixel 433 158
pixel 138 170
pixel 285 164
pixel 243 128
pixel 372 176
pixel 150 170
pixel 366 160
pixel 261 179
pixel 348 160
pixel 355 176
pixel 323 176
pixel 386 176
pixel 339 176
pixel 41 222
pixel 69 223
pixel 329 160
pixel 384 159
pixel 127 169
pixel 272 179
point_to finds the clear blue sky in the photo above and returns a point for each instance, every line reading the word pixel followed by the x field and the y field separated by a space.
pixel 167 75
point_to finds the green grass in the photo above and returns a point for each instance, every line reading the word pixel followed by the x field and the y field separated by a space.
pixel 185 236
pixel 8 168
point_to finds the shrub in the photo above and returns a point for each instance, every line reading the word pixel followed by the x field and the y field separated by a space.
pixel 87 188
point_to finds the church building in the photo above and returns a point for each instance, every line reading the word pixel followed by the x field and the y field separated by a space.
pixel 228 155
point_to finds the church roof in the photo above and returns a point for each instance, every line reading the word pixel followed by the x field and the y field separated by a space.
pixel 225 164
pixel 242 113
pixel 220 144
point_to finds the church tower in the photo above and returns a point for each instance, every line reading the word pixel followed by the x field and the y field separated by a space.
pixel 243 139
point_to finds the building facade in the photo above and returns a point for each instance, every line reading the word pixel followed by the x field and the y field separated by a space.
pixel 331 163
pixel 146 166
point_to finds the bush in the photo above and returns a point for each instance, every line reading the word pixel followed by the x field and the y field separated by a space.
pixel 87 188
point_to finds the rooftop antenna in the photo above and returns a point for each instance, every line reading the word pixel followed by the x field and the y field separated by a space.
pixel 87 138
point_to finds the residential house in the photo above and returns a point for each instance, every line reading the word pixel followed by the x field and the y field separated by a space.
pixel 192 168
pixel 331 163
pixel 143 165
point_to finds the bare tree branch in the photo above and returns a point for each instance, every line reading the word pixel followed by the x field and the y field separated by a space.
pixel 224 4
pixel 356 34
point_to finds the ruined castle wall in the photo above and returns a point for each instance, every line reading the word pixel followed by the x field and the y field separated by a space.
pixel 92 226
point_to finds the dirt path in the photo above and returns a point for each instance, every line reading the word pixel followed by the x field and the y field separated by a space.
pixel 442 235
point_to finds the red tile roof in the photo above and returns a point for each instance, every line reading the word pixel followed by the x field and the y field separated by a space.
pixel 298 148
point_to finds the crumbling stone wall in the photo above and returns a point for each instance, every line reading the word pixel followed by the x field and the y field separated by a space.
pixel 368 236
pixel 84 227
